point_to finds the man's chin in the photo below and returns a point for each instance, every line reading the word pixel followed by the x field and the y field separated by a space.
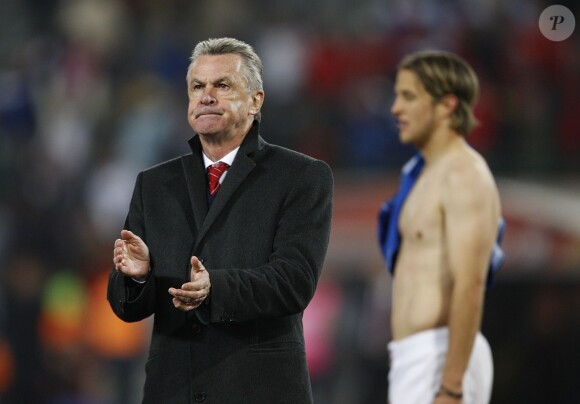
pixel 207 130
pixel 404 139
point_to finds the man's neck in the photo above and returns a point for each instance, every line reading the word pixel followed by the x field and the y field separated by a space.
pixel 217 152
pixel 440 143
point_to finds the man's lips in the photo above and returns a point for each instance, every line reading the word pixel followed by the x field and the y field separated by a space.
pixel 204 112
pixel 401 124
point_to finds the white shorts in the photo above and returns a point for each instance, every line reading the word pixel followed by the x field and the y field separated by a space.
pixel 417 366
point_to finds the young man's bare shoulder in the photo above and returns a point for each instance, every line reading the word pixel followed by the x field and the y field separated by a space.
pixel 468 172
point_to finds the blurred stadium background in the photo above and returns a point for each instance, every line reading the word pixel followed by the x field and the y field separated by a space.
pixel 92 91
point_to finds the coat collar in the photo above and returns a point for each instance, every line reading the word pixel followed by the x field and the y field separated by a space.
pixel 194 173
pixel 252 142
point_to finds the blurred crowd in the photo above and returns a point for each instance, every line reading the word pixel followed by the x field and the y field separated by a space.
pixel 93 91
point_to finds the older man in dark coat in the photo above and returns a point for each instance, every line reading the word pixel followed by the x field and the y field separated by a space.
pixel 224 246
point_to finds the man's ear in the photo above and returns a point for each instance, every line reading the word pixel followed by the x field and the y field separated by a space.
pixel 449 103
pixel 257 101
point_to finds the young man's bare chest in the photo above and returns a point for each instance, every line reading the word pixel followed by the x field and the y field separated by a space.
pixel 418 301
pixel 422 215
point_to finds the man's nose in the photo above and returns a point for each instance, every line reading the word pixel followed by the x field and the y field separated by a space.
pixel 207 98
pixel 395 108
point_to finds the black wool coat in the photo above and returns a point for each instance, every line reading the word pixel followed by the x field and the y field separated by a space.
pixel 263 241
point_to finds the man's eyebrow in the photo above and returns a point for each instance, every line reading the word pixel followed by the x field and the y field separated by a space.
pixel 404 91
pixel 223 79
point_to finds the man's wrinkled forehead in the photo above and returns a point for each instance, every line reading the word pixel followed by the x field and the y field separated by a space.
pixel 226 65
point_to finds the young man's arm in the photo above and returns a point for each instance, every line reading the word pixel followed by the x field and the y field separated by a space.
pixel 470 227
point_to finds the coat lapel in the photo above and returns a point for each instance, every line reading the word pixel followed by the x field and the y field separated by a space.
pixel 194 173
pixel 237 173
pixel 241 167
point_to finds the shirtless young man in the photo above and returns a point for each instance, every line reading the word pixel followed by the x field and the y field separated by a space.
pixel 447 227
